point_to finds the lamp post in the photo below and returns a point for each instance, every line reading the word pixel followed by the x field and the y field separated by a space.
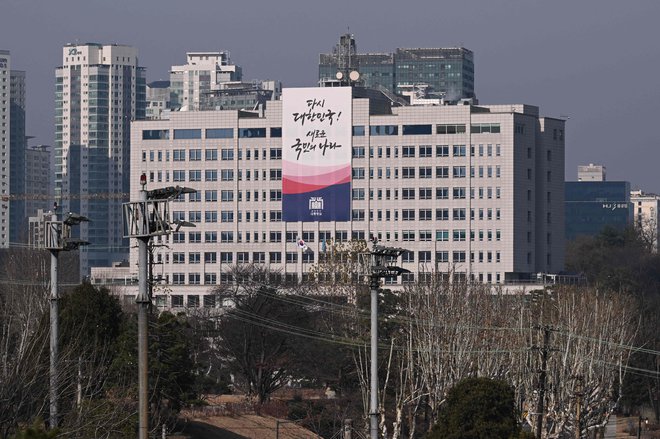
pixel 381 265
pixel 147 217
pixel 58 238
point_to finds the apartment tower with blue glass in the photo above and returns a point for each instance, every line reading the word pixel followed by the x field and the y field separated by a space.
pixel 100 89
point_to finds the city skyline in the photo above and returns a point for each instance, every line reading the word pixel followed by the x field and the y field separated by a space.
pixel 573 59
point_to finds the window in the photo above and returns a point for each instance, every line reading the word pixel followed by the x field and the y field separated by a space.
pixel 358 152
pixel 425 214
pixel 383 130
pixel 178 258
pixel 211 175
pixel 211 196
pixel 459 193
pixel 275 237
pixel 459 172
pixel 442 214
pixel 210 257
pixel 211 216
pixel 227 174
pixel 519 128
pixel 308 258
pixel 275 257
pixel 275 195
pixel 275 216
pixel 358 173
pixel 441 172
pixel 408 214
pixel 408 193
pixel 441 193
pixel 187 134
pixel 178 175
pixel 458 256
pixel 155 134
pixel 226 195
pixel 227 216
pixel 195 216
pixel 179 155
pixel 450 129
pixel 425 151
pixel 482 128
pixel 459 235
pixel 195 175
pixel 227 154
pixel 459 214
pixel 412 130
pixel 194 237
pixel 357 215
pixel 210 237
pixel 408 235
pixel 276 132
pixel 442 151
pixel 407 172
pixel 442 256
pixel 407 151
pixel 442 235
pixel 358 130
pixel 425 193
pixel 194 258
pixel 227 236
pixel 424 256
pixel 408 256
pixel 291 257
pixel 425 172
pixel 459 151
pixel 178 279
pixel 425 235
pixel 220 133
pixel 194 155
pixel 251 132
pixel 210 155
pixel 358 194
pixel 276 153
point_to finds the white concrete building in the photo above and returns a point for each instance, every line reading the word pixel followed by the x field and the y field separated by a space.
pixel 645 214
pixel 5 158
pixel 100 89
pixel 591 172
pixel 475 188
pixel 204 72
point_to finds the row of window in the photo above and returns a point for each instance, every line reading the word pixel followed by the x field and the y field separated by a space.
pixel 422 172
pixel 195 154
pixel 426 193
pixel 211 195
pixel 210 133
pixel 358 130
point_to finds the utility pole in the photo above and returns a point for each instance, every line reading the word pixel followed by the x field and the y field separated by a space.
pixel 58 238
pixel 147 217
pixel 54 333
pixel 143 302
pixel 382 264
pixel 542 378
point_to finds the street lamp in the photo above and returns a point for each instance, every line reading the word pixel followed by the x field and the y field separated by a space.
pixel 382 264
pixel 58 238
pixel 147 217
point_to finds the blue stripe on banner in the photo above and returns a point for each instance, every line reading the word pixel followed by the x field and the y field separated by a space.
pixel 332 203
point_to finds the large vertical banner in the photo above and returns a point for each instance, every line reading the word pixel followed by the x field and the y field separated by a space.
pixel 316 143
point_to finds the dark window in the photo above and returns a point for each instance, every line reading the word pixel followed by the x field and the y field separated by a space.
pixel 220 133
pixel 384 130
pixel 410 130
pixel 276 132
pixel 251 132
pixel 187 134
pixel 358 130
pixel 155 134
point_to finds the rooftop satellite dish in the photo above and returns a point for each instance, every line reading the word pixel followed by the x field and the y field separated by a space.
pixel 354 75
pixel 339 75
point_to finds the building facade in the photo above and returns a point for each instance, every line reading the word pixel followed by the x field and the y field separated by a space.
pixel 18 146
pixel 593 205
pixel 204 72
pixel 38 190
pixel 645 217
pixel 448 72
pixel 5 148
pixel 100 89
pixel 592 172
pixel 473 189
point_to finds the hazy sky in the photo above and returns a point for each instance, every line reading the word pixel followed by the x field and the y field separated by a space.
pixel 595 61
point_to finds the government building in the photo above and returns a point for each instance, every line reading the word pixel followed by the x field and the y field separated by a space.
pixel 473 190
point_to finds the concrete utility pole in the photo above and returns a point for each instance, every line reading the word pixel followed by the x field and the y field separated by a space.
pixel 143 301
pixel 58 238
pixel 381 265
pixel 147 217
pixel 54 333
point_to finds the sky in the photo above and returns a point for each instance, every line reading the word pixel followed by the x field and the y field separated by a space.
pixel 596 62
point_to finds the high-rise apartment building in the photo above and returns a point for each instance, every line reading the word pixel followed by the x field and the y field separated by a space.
pixel 591 172
pixel 474 189
pixel 38 190
pixel 448 72
pixel 100 89
pixel 5 148
pixel 645 215
pixel 18 145
pixel 204 72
